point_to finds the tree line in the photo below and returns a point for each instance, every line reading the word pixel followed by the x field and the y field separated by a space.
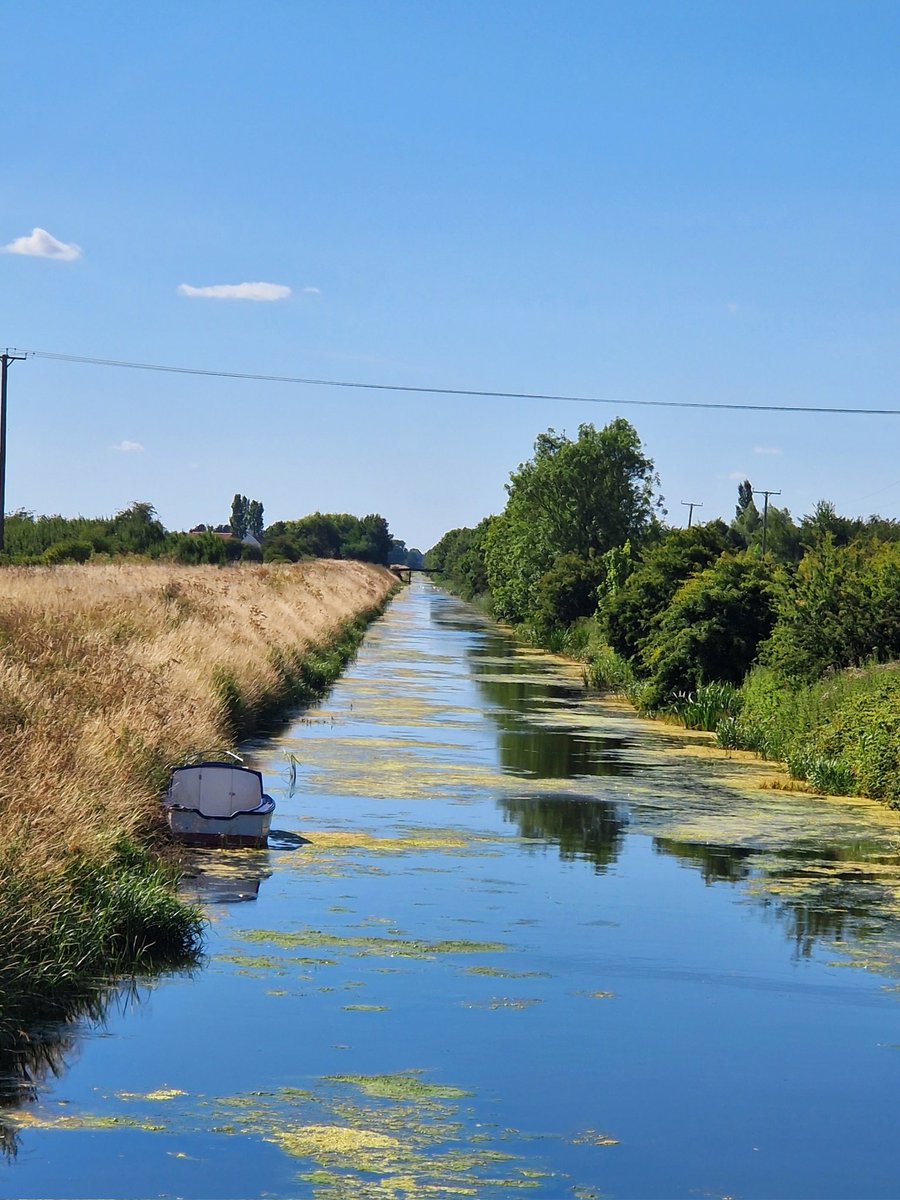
pixel 137 531
pixel 792 652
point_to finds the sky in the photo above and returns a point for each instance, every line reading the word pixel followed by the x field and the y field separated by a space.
pixel 668 201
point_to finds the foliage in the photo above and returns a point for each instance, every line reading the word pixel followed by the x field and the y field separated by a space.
pixel 580 497
pixel 841 733
pixel 567 591
pixel 841 609
pixel 246 517
pixel 633 608
pixel 459 559
pixel 199 548
pixel 255 519
pixel 239 516
pixel 134 530
pixel 330 535
pixel 707 707
pixel 713 628
pixel 784 540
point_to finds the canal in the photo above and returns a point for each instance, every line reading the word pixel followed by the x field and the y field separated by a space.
pixel 507 937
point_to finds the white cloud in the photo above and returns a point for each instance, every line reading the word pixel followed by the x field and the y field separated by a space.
pixel 732 307
pixel 127 447
pixel 740 476
pixel 237 291
pixel 766 450
pixel 41 244
pixel 311 291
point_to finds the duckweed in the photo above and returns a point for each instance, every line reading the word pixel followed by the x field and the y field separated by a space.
pixel 387 947
pixel 405 1085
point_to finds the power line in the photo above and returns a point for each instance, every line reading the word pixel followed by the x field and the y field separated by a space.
pixel 446 391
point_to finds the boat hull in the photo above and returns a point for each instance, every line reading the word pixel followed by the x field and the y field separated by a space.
pixel 243 829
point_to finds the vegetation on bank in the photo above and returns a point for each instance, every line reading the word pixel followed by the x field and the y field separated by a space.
pixel 109 675
pixel 783 638
pixel 137 532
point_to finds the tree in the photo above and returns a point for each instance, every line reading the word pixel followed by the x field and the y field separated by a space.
pixel 747 520
pixel 633 609
pixel 842 609
pixel 580 497
pixel 137 530
pixel 239 515
pixel 713 628
pixel 255 519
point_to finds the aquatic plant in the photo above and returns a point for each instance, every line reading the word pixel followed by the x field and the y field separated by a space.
pixel 707 706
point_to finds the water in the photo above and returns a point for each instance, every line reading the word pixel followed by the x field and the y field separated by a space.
pixel 506 937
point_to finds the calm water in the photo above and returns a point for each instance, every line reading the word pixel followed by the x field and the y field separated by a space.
pixel 507 937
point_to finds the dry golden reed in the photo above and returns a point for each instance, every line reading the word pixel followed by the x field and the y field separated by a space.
pixel 108 672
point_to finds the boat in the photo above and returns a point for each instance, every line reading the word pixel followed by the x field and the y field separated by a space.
pixel 218 804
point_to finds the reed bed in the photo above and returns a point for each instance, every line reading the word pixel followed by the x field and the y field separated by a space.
pixel 109 674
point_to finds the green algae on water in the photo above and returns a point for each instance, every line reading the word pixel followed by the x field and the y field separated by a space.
pixel 387 947
pixel 405 1085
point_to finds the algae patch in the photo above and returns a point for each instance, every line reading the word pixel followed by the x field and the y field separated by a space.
pixel 405 1085
pixel 386 947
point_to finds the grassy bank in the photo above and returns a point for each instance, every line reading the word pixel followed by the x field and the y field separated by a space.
pixel 108 676
pixel 840 735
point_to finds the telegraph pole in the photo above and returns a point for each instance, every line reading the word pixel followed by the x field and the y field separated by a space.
pixel 5 359
pixel 762 492
pixel 690 505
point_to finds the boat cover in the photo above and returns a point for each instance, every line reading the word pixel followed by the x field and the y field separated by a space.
pixel 216 789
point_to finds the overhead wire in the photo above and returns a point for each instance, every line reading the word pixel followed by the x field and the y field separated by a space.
pixel 474 393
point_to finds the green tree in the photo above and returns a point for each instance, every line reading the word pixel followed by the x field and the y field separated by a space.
pixel 567 591
pixel 137 529
pixel 712 630
pixel 842 609
pixel 582 497
pixel 633 610
pixel 254 512
pixel 239 506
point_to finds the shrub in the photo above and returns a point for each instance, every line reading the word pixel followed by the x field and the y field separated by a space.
pixel 713 628
pixel 67 552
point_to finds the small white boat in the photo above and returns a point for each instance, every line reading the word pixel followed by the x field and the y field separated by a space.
pixel 218 804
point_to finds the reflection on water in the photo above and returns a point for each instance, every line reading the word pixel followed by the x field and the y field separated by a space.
pixel 582 828
pixel 549 728
pixel 44 1052
pixel 717 864
pixel 224 876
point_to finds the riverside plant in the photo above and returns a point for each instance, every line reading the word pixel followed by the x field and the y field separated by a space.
pixel 707 706
pixel 109 675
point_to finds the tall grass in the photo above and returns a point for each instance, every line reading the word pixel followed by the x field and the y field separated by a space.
pixel 108 676
pixel 707 706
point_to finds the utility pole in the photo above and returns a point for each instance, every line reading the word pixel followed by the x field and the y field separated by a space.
pixel 5 359
pixel 762 492
pixel 690 505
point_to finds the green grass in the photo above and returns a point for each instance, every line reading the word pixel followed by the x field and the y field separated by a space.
pixel 840 734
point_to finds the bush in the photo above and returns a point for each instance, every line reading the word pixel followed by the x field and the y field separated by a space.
pixel 711 631
pixel 67 552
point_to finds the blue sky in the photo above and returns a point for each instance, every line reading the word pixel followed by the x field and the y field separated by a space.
pixel 652 201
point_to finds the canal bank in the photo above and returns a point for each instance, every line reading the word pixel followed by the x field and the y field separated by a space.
pixel 507 936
